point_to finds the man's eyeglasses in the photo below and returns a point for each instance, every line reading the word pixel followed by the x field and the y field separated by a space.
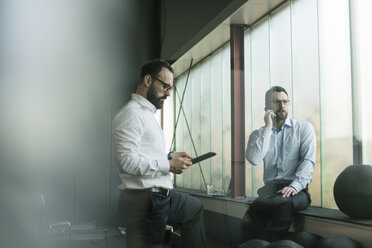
pixel 284 102
pixel 166 87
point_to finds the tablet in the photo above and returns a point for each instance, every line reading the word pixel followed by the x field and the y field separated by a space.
pixel 203 157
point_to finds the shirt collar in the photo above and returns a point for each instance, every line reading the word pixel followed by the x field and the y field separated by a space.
pixel 288 122
pixel 144 102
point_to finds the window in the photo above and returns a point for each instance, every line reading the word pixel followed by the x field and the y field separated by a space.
pixel 321 55
pixel 360 15
pixel 206 107
pixel 307 52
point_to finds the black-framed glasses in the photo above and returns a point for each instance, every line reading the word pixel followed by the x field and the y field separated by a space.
pixel 284 102
pixel 166 87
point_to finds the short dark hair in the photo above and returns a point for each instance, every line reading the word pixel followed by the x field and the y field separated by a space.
pixel 269 94
pixel 153 67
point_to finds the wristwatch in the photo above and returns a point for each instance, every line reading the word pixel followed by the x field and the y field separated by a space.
pixel 169 155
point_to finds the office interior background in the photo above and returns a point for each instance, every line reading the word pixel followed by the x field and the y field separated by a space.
pixel 67 67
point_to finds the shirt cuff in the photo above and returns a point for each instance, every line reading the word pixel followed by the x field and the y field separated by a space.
pixel 163 165
pixel 296 185
pixel 267 132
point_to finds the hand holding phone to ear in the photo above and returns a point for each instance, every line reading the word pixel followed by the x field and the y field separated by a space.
pixel 269 118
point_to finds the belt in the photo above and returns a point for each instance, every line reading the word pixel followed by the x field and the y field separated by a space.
pixel 158 190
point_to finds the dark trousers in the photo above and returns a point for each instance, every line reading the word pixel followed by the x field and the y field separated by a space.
pixel 145 214
pixel 271 214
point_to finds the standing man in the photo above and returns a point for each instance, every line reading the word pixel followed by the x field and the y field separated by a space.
pixel 287 147
pixel 147 202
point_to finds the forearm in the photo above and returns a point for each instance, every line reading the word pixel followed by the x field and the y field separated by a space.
pixel 308 155
pixel 303 175
pixel 258 145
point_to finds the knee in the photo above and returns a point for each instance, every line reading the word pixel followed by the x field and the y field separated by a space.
pixel 197 207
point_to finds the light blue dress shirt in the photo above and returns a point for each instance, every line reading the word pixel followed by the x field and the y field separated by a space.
pixel 288 154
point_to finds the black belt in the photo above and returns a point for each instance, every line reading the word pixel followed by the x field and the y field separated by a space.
pixel 158 190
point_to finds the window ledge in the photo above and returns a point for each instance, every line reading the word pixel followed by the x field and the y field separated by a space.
pixel 316 220
pixel 333 214
pixel 317 212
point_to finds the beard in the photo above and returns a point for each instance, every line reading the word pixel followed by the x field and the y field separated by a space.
pixel 280 115
pixel 154 99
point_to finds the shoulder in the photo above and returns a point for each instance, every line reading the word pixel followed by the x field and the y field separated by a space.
pixel 303 128
pixel 131 113
pixel 301 124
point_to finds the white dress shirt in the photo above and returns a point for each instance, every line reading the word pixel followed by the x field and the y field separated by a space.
pixel 288 154
pixel 140 147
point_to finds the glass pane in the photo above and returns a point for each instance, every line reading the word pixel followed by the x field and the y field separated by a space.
pixel 207 109
pixel 226 117
pixel 362 53
pixel 205 113
pixel 187 144
pixel 180 84
pixel 280 50
pixel 195 126
pixel 248 107
pixel 260 84
pixel 216 120
pixel 306 77
pixel 335 85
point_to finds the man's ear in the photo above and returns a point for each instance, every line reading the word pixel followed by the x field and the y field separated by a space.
pixel 147 80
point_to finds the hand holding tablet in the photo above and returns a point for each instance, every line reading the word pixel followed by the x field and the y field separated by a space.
pixel 203 157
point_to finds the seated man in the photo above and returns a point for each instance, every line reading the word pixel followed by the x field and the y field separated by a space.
pixel 287 148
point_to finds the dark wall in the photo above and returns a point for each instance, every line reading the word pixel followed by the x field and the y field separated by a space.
pixel 66 68
pixel 185 22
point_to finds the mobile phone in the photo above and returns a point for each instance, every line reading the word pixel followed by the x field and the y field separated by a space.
pixel 203 157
